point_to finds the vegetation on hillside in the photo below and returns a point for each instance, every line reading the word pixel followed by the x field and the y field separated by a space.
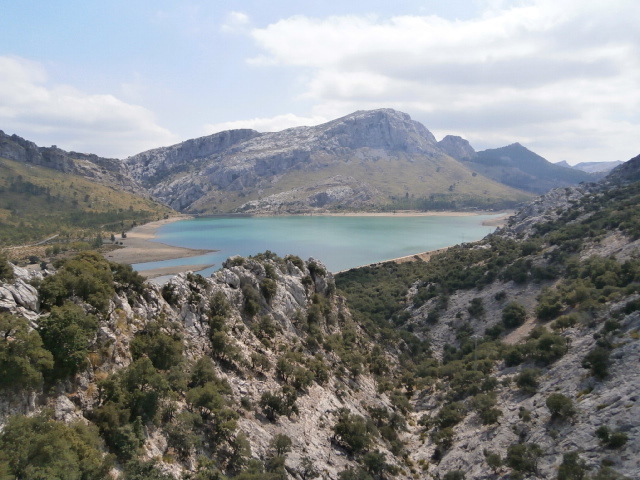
pixel 177 366
pixel 37 203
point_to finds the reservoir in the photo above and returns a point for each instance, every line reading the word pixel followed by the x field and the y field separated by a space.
pixel 340 242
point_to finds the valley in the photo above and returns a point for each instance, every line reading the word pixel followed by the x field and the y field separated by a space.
pixel 508 357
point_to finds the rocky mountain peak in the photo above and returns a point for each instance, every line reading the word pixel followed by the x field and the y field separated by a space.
pixel 383 128
pixel 457 147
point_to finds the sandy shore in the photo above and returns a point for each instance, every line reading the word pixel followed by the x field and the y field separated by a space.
pixel 138 247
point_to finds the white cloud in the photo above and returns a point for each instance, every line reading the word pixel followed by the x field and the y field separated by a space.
pixel 235 22
pixel 273 124
pixel 524 71
pixel 32 107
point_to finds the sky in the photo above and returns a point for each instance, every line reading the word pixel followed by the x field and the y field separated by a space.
pixel 115 78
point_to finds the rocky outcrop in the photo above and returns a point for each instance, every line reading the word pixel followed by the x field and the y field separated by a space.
pixel 20 297
pixel 106 171
pixel 457 147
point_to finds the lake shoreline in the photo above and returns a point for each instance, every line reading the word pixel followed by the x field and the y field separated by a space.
pixel 140 246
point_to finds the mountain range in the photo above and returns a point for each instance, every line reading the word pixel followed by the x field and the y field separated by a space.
pixel 368 160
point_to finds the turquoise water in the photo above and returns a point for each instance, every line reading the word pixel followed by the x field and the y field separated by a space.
pixel 339 242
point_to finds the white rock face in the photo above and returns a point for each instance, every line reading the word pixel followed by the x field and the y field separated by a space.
pixel 20 297
pixel 239 160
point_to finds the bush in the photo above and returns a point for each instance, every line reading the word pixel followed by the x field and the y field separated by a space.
pixel 35 448
pixel 572 467
pixel 251 300
pixel 268 287
pixel 87 276
pixel 476 308
pixel 611 439
pixel 454 475
pixel 274 404
pixel 450 415
pixel 66 333
pixel 560 406
pixel 163 350
pixel 513 315
pixel 352 431
pixel 597 361
pixel 23 358
pixel 527 380
pixel 280 444
pixel 6 270
pixel 523 457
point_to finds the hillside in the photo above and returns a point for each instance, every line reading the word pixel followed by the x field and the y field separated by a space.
pixel 368 160
pixel 519 167
pixel 38 202
pixel 505 358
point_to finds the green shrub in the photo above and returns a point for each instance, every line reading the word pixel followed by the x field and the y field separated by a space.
pixel 352 431
pixel 87 276
pixel 450 415
pixel 493 459
pixel 597 361
pixel 35 448
pixel 66 333
pixel 523 457
pixel 611 439
pixel 23 358
pixel 280 444
pixel 6 270
pixel 138 470
pixel 476 308
pixel 572 467
pixel 276 404
pixel 251 300
pixel 269 288
pixel 560 406
pixel 454 475
pixel 527 380
pixel 513 315
pixel 163 350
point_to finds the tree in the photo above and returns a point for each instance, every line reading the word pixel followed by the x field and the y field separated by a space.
pixel 476 308
pixel 560 406
pixel 374 462
pixel 163 350
pixel 307 469
pixel 23 358
pixel 6 270
pixel 597 360
pixel 572 467
pixel 494 461
pixel 136 470
pixel 352 431
pixel 88 276
pixel 66 333
pixel 36 448
pixel 269 288
pixel 527 380
pixel 280 444
pixel 513 315
pixel 523 457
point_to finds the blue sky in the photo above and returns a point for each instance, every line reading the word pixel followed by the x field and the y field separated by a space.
pixel 115 78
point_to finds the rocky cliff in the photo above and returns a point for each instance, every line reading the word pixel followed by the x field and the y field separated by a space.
pixel 106 171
